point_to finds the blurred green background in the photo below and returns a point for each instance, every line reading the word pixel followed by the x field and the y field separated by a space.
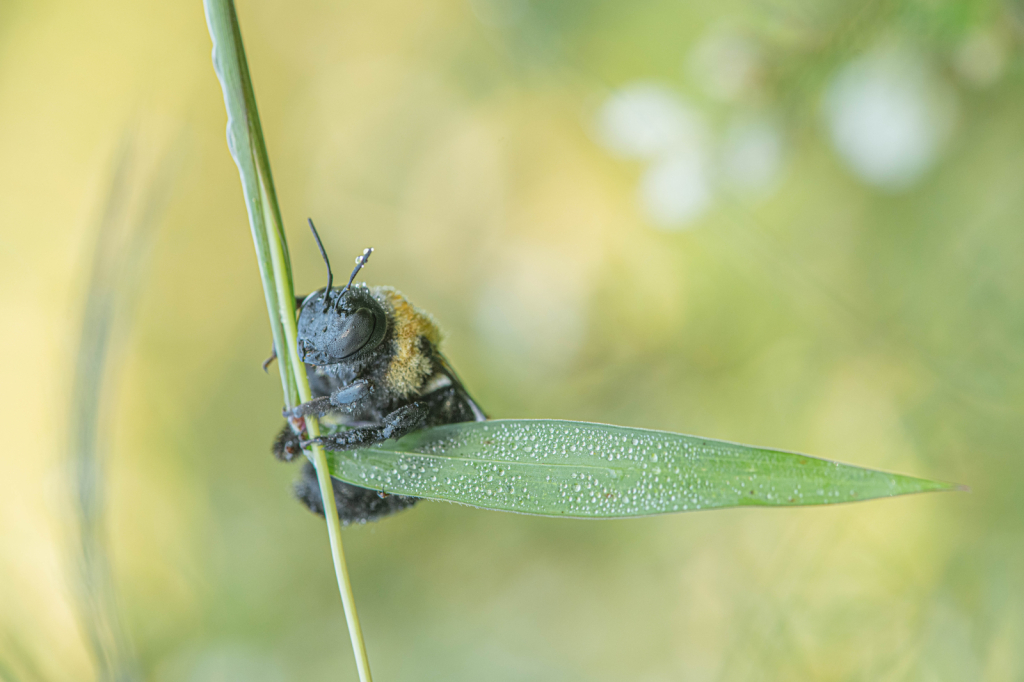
pixel 791 223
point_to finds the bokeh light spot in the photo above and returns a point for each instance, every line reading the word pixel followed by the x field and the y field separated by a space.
pixel 888 116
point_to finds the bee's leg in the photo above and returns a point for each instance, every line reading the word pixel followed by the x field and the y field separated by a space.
pixel 273 356
pixel 287 445
pixel 394 425
pixel 316 407
pixel 405 419
pixel 355 504
pixel 346 395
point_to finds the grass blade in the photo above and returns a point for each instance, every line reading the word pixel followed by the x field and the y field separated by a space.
pixel 125 237
pixel 245 140
pixel 578 469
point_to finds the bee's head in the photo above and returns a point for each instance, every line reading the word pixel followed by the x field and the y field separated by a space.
pixel 343 325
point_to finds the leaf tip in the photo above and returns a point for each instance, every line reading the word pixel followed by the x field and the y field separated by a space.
pixel 929 486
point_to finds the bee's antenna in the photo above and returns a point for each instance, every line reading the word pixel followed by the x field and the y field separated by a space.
pixel 360 262
pixel 330 275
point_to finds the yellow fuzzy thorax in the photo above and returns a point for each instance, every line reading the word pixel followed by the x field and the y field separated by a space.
pixel 409 367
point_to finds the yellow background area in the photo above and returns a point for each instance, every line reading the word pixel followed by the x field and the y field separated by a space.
pixel 881 326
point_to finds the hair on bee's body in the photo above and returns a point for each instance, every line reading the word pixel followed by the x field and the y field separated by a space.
pixel 412 336
pixel 374 365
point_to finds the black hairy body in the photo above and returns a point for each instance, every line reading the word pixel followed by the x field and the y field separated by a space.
pixel 374 366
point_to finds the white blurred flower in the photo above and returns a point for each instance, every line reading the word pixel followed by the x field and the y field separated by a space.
pixel 650 121
pixel 647 120
pixel 675 190
pixel 751 155
pixel 726 64
pixel 889 116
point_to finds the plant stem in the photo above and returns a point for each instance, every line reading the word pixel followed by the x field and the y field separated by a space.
pixel 245 140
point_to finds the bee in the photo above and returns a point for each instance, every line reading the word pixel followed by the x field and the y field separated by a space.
pixel 374 365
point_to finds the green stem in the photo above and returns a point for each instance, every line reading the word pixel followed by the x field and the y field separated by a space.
pixel 245 140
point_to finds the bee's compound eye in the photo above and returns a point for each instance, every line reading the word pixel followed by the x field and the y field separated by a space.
pixel 355 331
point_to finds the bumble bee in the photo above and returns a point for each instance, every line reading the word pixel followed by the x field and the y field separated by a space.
pixel 374 365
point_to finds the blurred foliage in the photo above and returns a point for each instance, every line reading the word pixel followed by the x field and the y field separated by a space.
pixel 872 324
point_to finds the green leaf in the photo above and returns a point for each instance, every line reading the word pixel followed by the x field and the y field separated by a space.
pixel 577 469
